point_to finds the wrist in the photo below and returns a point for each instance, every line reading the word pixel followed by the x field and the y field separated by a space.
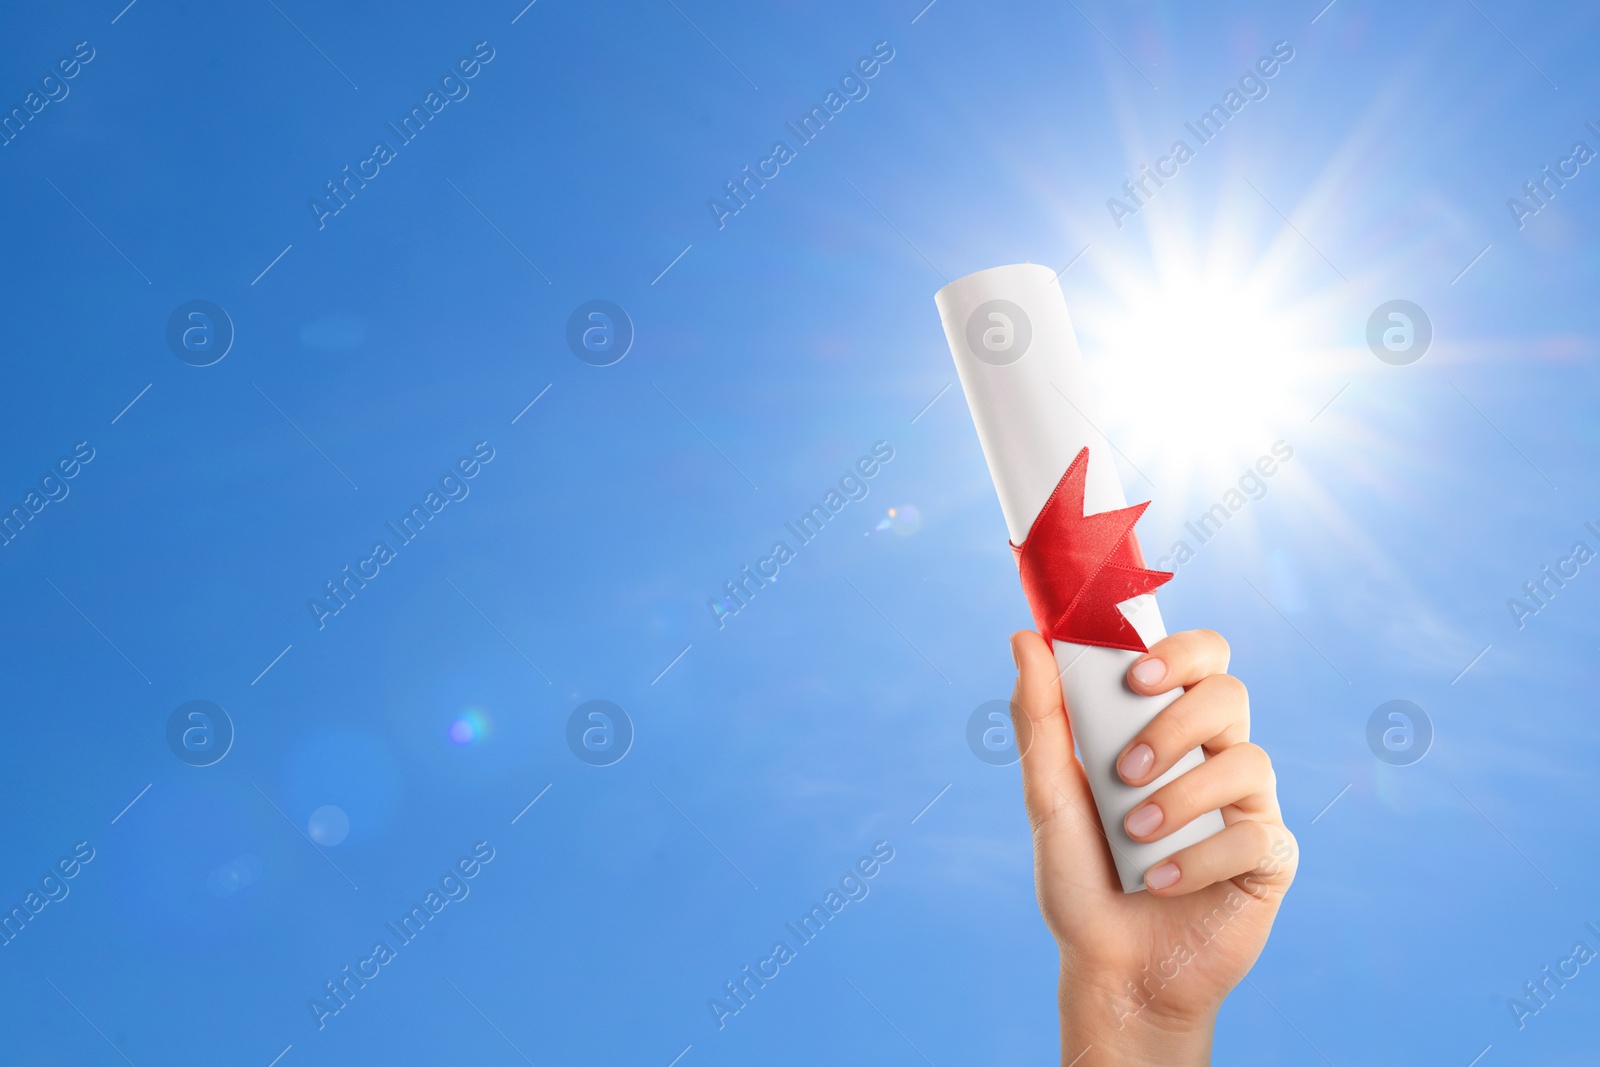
pixel 1119 1024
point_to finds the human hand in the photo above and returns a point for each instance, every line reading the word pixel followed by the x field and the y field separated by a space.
pixel 1143 974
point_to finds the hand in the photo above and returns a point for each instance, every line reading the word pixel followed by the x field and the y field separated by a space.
pixel 1143 974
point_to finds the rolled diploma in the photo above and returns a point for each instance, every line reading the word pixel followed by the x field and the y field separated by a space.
pixel 1033 417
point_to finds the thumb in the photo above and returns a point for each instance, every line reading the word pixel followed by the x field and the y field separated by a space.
pixel 1053 782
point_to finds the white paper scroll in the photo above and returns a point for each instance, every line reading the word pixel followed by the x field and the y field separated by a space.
pixel 1023 376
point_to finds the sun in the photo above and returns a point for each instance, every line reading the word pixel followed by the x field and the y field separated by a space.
pixel 1204 353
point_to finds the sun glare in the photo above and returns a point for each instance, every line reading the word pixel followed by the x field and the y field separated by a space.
pixel 1203 359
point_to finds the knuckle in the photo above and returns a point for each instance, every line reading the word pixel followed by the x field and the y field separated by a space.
pixel 1175 799
pixel 1232 698
pixel 1289 848
pixel 1229 688
pixel 1215 641
pixel 1167 733
pixel 1260 838
pixel 1259 762
pixel 1277 859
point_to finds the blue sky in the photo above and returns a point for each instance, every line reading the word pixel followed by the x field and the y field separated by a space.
pixel 375 349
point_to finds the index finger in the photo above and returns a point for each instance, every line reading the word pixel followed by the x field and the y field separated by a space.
pixel 1181 659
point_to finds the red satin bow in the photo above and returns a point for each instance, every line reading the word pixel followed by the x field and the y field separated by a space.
pixel 1077 568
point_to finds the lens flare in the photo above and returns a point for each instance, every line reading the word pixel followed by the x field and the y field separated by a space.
pixel 470 727
pixel 903 521
pixel 232 877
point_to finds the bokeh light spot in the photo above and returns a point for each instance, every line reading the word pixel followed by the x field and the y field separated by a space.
pixel 328 825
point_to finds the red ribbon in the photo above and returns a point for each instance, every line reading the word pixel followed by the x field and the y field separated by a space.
pixel 1077 568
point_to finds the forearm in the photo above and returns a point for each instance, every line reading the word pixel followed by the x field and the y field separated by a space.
pixel 1102 1025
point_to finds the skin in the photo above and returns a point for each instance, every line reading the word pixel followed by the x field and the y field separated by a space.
pixel 1143 974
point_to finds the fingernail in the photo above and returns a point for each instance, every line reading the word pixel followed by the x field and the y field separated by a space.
pixel 1137 763
pixel 1015 661
pixel 1161 875
pixel 1149 672
pixel 1143 820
